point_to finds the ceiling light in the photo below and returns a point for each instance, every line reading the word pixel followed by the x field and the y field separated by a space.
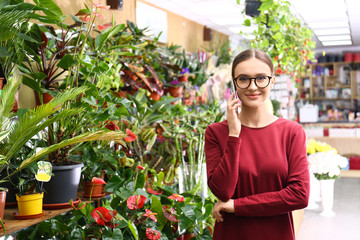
pixel 337 43
pixel 327 24
pixel 334 38
pixel 331 31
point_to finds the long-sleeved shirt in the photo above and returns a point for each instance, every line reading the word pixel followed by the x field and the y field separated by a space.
pixel 265 170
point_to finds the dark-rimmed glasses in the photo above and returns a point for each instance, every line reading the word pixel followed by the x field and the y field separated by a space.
pixel 244 82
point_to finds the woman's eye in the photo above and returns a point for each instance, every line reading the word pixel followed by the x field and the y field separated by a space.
pixel 243 79
pixel 260 78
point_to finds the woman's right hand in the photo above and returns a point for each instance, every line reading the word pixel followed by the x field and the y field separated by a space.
pixel 233 117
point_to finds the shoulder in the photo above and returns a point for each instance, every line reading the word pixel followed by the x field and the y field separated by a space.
pixel 217 128
pixel 290 125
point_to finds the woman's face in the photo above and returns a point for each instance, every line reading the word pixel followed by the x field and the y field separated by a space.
pixel 253 96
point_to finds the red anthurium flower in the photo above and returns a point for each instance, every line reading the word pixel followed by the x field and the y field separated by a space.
pixel 98 180
pixel 104 26
pixel 152 191
pixel 85 18
pixel 75 207
pixel 111 125
pixel 169 213
pixel 150 214
pixel 152 234
pixel 98 5
pixel 130 136
pixel 176 197
pixel 136 202
pixel 140 167
pixel 101 215
pixel 99 15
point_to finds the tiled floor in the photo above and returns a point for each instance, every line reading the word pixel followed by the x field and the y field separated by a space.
pixel 345 225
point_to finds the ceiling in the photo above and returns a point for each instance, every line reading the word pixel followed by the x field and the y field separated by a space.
pixel 320 15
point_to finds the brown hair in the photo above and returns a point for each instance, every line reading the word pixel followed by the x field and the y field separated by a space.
pixel 252 53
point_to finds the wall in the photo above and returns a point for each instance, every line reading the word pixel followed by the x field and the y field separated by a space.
pixel 69 7
pixel 189 34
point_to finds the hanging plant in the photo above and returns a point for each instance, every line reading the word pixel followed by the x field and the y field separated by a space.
pixel 282 35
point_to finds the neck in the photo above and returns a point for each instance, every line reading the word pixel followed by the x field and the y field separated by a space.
pixel 256 117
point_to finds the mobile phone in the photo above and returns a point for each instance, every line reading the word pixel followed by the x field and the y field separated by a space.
pixel 233 89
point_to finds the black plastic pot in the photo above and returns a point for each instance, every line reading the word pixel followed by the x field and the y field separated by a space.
pixel 64 185
pixel 11 194
pixel 251 8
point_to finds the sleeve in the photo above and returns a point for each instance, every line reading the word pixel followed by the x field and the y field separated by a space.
pixel 294 196
pixel 221 171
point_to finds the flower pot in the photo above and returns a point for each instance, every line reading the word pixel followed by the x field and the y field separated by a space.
pixel 176 91
pixel 251 8
pixel 63 186
pixel 97 190
pixel 327 197
pixel 186 236
pixel 155 96
pixel 314 192
pixel 2 204
pixel 30 204
pixel 183 78
pixel 45 98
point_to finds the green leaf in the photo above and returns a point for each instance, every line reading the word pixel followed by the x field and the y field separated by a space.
pixel 208 211
pixel 156 207
pixel 114 183
pixel 66 62
pixel 140 181
pixel 189 212
pixel 4 51
pixel 133 229
pixel 247 22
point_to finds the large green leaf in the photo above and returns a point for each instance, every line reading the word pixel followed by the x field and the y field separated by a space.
pixel 156 207
pixel 66 62
pixel 133 229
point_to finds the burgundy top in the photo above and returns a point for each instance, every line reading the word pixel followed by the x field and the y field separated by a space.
pixel 265 171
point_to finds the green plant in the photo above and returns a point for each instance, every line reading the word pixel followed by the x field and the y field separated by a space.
pixel 283 36
pixel 14 26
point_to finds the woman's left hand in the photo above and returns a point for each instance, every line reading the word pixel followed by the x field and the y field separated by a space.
pixel 221 206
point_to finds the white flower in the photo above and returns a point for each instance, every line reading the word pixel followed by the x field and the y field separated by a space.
pixel 326 164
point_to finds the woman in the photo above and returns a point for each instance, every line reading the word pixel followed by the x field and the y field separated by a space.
pixel 256 162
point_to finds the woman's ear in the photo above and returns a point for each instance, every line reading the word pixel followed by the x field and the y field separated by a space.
pixel 272 82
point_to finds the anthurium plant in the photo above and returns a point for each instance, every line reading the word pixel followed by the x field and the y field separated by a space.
pixel 282 35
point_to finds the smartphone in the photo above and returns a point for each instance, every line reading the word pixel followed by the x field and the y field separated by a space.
pixel 233 89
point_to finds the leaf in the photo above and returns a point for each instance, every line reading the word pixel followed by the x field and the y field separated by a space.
pixel 66 62
pixel 140 181
pixel 156 207
pixel 133 229
pixel 247 22
pixel 208 211
pixel 114 183
pixel 188 211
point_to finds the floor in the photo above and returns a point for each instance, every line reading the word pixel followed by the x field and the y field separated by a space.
pixel 345 225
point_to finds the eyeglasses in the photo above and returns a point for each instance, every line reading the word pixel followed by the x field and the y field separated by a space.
pixel 244 82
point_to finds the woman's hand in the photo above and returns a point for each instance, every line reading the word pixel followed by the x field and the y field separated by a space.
pixel 221 206
pixel 232 116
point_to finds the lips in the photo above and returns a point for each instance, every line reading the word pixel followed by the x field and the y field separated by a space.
pixel 252 95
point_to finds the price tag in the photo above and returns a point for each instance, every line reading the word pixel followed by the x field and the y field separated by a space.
pixel 44 171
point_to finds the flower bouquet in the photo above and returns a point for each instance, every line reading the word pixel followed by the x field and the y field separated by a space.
pixel 324 160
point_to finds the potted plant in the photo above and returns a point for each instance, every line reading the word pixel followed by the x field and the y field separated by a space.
pixel 30 194
pixel 100 161
pixel 282 35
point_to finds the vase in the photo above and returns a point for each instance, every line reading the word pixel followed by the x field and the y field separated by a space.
pixel 327 197
pixel 314 192
pixel 192 178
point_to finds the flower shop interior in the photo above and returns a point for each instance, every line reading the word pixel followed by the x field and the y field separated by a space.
pixel 112 98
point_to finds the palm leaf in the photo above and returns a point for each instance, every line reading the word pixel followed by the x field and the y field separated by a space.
pixel 7 100
pixel 102 135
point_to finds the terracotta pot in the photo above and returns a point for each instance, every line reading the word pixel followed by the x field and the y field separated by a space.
pixel 186 236
pixel 1 83
pixel 96 192
pixel 2 204
pixel 155 96
pixel 46 98
pixel 183 78
pixel 176 91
